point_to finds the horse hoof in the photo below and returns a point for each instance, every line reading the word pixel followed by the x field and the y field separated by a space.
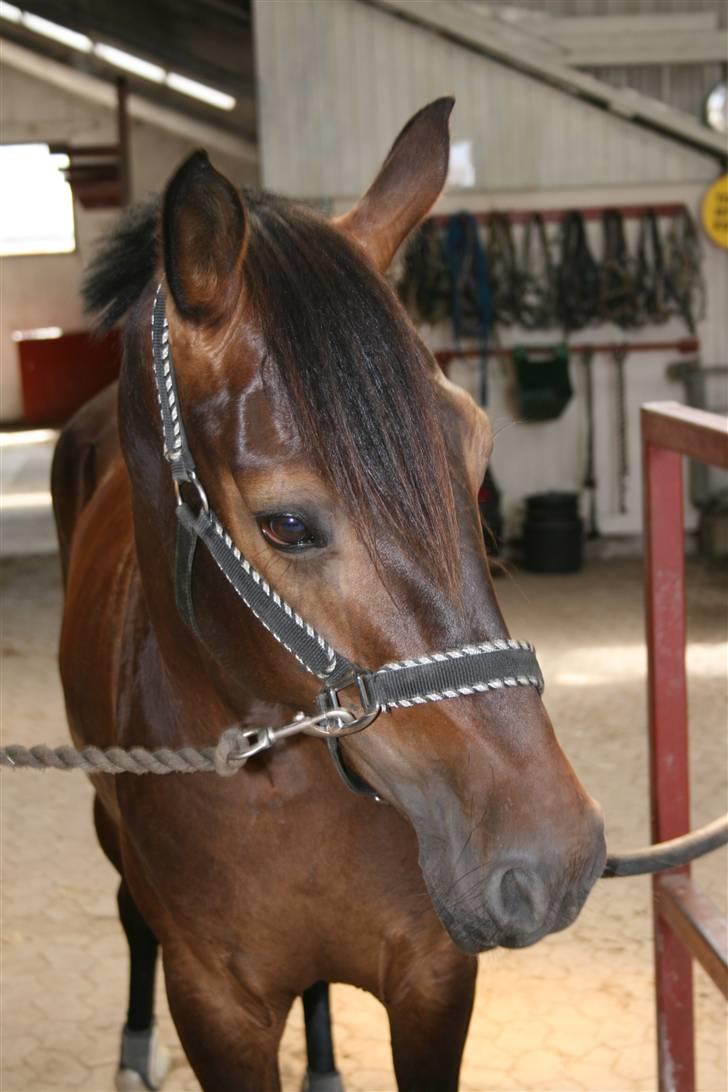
pixel 322 1082
pixel 144 1062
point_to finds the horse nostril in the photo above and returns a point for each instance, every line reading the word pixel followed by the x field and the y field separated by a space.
pixel 517 900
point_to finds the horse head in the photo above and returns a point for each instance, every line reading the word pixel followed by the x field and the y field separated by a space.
pixel 345 468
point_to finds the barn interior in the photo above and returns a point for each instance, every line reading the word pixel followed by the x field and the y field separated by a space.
pixel 574 269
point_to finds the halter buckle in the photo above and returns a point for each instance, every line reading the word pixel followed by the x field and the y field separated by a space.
pixel 329 702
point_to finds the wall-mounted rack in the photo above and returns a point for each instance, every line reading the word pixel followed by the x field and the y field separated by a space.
pixel 555 216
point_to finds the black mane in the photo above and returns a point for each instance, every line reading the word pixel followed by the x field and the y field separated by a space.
pixel 357 379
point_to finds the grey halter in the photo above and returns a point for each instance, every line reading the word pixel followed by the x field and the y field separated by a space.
pixel 472 669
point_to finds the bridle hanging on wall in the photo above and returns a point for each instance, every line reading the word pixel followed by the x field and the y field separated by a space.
pixel 554 279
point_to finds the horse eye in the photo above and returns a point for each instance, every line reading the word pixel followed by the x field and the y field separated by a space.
pixel 286 531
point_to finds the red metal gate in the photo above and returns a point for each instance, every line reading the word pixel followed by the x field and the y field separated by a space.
pixel 686 923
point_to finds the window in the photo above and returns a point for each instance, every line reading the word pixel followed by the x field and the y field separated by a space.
pixel 36 205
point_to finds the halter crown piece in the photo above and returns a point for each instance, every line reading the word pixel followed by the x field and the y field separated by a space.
pixel 472 669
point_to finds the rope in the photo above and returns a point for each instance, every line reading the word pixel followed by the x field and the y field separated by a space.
pixel 537 289
pixel 684 277
pixel 577 276
pixel 653 304
pixel 472 301
pixel 225 759
pixel 505 278
pixel 590 479
pixel 619 356
pixel 426 285
pixel 229 756
pixel 618 296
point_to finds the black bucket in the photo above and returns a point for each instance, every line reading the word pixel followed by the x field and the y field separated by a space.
pixel 552 533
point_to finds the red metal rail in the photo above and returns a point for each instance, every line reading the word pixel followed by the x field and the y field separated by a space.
pixel 686 924
pixel 680 345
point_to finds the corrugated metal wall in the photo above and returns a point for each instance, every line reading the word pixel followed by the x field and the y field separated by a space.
pixel 337 80
pixel 683 86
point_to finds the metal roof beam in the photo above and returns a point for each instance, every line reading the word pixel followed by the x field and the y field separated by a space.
pixel 104 94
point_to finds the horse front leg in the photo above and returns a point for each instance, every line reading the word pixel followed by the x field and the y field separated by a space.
pixel 143 1061
pixel 230 1034
pixel 429 1013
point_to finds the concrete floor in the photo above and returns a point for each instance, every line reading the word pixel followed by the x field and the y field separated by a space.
pixel 575 1012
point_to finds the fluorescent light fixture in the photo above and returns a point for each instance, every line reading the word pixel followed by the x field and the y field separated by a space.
pixel 10 12
pixel 28 436
pixel 200 91
pixel 41 333
pixel 64 35
pixel 129 62
pixel 11 501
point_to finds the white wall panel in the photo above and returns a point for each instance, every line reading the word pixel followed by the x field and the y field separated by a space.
pixel 338 79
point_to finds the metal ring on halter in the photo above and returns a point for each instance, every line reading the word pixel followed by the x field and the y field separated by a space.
pixel 328 701
pixel 194 481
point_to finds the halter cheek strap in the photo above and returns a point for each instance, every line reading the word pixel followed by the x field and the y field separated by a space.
pixel 472 669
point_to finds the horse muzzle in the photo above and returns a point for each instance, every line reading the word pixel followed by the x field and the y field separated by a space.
pixel 514 901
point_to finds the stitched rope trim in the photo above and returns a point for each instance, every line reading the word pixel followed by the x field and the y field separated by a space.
pixel 499 645
pixel 168 384
pixel 265 586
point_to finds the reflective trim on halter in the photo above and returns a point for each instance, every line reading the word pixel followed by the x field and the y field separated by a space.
pixel 437 676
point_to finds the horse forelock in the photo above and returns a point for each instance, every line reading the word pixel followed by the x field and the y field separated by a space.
pixel 357 379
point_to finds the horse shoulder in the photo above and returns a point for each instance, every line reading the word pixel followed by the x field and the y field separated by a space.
pixel 92 503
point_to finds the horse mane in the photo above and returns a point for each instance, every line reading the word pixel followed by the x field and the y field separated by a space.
pixel 123 265
pixel 358 380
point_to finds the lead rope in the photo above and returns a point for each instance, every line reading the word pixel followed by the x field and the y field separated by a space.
pixel 233 749
pixel 227 758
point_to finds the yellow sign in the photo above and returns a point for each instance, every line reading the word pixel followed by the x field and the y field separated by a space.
pixel 715 212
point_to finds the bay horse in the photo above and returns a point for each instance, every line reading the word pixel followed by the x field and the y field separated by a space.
pixel 345 469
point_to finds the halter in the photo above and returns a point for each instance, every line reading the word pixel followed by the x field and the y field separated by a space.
pixel 472 669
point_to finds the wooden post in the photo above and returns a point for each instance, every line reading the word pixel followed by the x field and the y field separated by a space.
pixel 122 114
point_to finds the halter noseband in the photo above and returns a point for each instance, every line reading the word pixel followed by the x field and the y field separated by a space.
pixel 472 669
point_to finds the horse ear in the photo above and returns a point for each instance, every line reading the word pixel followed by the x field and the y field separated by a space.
pixel 204 235
pixel 407 186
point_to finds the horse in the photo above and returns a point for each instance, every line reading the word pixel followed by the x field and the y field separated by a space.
pixel 344 469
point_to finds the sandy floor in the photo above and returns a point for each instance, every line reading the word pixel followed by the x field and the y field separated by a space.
pixel 575 1012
